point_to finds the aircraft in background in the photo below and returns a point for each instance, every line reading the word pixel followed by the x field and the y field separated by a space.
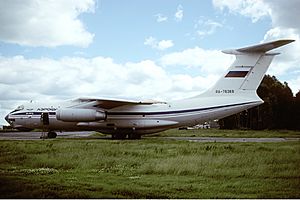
pixel 234 92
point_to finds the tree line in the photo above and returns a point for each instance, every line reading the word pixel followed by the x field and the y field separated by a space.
pixel 280 110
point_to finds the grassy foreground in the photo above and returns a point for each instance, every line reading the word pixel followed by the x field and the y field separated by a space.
pixel 148 168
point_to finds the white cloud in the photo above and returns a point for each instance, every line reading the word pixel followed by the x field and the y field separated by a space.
pixel 205 65
pixel 160 45
pixel 161 18
pixel 45 23
pixel 165 44
pixel 294 84
pixel 285 25
pixel 255 9
pixel 206 27
pixel 284 14
pixel 150 41
pixel 179 13
pixel 178 16
pixel 43 79
pixel 288 62
pixel 24 79
pixel 207 61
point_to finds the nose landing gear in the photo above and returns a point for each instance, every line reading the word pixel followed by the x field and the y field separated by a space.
pixel 45 121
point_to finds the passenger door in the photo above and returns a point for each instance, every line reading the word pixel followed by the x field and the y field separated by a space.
pixel 45 118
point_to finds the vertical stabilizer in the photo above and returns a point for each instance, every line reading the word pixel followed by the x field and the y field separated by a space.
pixel 247 71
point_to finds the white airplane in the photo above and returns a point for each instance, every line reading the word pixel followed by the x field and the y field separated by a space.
pixel 234 92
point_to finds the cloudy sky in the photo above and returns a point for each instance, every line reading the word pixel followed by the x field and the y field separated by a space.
pixel 56 50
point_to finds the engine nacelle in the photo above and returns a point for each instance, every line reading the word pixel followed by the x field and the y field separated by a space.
pixel 79 115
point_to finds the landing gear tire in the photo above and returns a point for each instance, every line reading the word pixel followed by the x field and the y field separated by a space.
pixel 51 134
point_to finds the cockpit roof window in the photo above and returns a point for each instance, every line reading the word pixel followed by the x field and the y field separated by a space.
pixel 21 107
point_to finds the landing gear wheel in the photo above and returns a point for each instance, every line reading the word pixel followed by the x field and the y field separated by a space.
pixel 51 134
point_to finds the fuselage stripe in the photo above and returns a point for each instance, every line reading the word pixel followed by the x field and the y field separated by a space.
pixel 33 113
pixel 178 111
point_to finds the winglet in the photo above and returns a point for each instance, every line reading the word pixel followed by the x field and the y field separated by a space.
pixel 260 48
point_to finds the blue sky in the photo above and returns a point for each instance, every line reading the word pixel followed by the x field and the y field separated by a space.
pixel 120 29
pixel 54 50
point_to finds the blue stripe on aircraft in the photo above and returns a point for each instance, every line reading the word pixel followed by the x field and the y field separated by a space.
pixel 177 111
pixel 33 113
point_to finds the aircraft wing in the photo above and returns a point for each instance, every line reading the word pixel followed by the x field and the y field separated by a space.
pixel 113 103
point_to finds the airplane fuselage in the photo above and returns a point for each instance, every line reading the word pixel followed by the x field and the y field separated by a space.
pixel 138 119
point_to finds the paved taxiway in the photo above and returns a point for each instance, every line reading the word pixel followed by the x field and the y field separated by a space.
pixel 87 134
pixel 225 139
pixel 37 135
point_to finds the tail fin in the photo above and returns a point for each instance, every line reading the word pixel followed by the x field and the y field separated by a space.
pixel 247 71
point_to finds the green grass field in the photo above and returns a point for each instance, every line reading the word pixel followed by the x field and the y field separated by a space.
pixel 149 168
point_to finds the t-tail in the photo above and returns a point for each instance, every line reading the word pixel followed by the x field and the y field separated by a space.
pixel 245 74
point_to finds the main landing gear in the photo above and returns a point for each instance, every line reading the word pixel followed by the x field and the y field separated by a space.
pixel 52 134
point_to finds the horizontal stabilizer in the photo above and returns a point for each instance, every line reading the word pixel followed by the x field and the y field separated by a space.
pixel 260 48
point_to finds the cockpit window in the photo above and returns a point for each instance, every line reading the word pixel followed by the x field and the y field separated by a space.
pixel 21 107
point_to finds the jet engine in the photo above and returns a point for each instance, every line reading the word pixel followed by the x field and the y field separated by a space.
pixel 80 115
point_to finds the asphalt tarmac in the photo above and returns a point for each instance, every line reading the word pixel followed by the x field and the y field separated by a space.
pixel 225 139
pixel 87 135
pixel 37 135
